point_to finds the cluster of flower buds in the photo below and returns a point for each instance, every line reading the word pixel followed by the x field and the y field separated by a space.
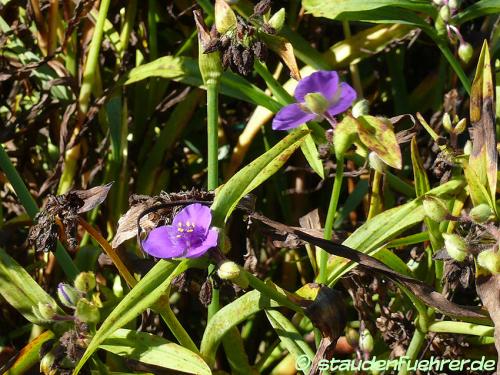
pixel 237 39
pixel 456 127
pixel 444 25
pixel 80 298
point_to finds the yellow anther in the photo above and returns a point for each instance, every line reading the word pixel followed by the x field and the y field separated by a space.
pixel 180 229
pixel 189 230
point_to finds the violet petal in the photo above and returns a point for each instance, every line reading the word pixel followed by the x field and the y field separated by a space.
pixel 290 117
pixel 161 243
pixel 325 82
pixel 347 96
pixel 197 214
pixel 209 242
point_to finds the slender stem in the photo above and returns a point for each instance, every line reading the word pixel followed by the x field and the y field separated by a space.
pixel 332 210
pixel 413 349
pixel 131 281
pixel 375 201
pixel 462 328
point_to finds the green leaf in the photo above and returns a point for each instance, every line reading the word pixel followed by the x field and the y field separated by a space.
pixel 253 175
pixel 228 317
pixel 154 350
pixel 478 9
pixel 311 154
pixel 22 292
pixel 377 133
pixel 335 9
pixel 28 356
pixel 186 70
pixel 142 296
pixel 291 338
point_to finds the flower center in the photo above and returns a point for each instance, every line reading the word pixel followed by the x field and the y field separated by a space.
pixel 316 103
pixel 188 234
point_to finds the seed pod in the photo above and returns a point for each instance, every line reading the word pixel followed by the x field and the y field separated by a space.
pixel 247 61
pixel 46 310
pixel 260 50
pixel 460 126
pixel 85 282
pixel 455 246
pixel 480 213
pixel 490 260
pixel 434 208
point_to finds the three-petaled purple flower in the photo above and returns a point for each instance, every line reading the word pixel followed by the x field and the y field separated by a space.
pixel 319 95
pixel 189 236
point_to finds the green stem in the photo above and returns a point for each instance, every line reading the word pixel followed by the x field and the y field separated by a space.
pixel 176 327
pixel 462 328
pixel 375 201
pixel 453 62
pixel 413 349
pixel 276 88
pixel 31 208
pixel 332 210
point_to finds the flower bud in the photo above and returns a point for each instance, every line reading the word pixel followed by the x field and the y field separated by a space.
pixel 46 364
pixel 445 13
pixel 46 310
pixel 438 2
pixel 225 19
pixel 455 246
pixel 68 295
pixel 447 123
pixel 468 148
pixel 366 341
pixel 87 312
pixel 465 52
pixel 85 282
pixel 435 208
pixel 316 102
pixel 376 163
pixel 460 126
pixel 117 287
pixel 277 20
pixel 229 270
pixel 453 4
pixel 352 337
pixel 361 108
pixel 490 260
pixel 480 213
pixel 440 26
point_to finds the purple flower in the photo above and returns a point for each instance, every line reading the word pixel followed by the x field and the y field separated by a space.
pixel 189 236
pixel 319 95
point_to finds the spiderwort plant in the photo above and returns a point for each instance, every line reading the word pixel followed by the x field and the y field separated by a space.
pixel 319 96
pixel 189 235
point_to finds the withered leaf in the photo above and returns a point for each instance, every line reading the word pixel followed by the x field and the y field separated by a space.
pixel 283 48
pixel 92 197
pixel 488 289
pixel 423 291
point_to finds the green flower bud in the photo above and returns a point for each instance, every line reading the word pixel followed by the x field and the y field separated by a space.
pixel 447 123
pixel 225 19
pixel 229 270
pixel 460 126
pixel 316 102
pixel 490 260
pixel 480 213
pixel 438 2
pixel 366 341
pixel 87 312
pixel 46 364
pixel 434 208
pixel 352 337
pixel 46 310
pixel 468 148
pixel 376 163
pixel 361 108
pixel 117 287
pixel 445 13
pixel 453 4
pixel 440 26
pixel 85 282
pixel 277 20
pixel 68 295
pixel 465 52
pixel 455 246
